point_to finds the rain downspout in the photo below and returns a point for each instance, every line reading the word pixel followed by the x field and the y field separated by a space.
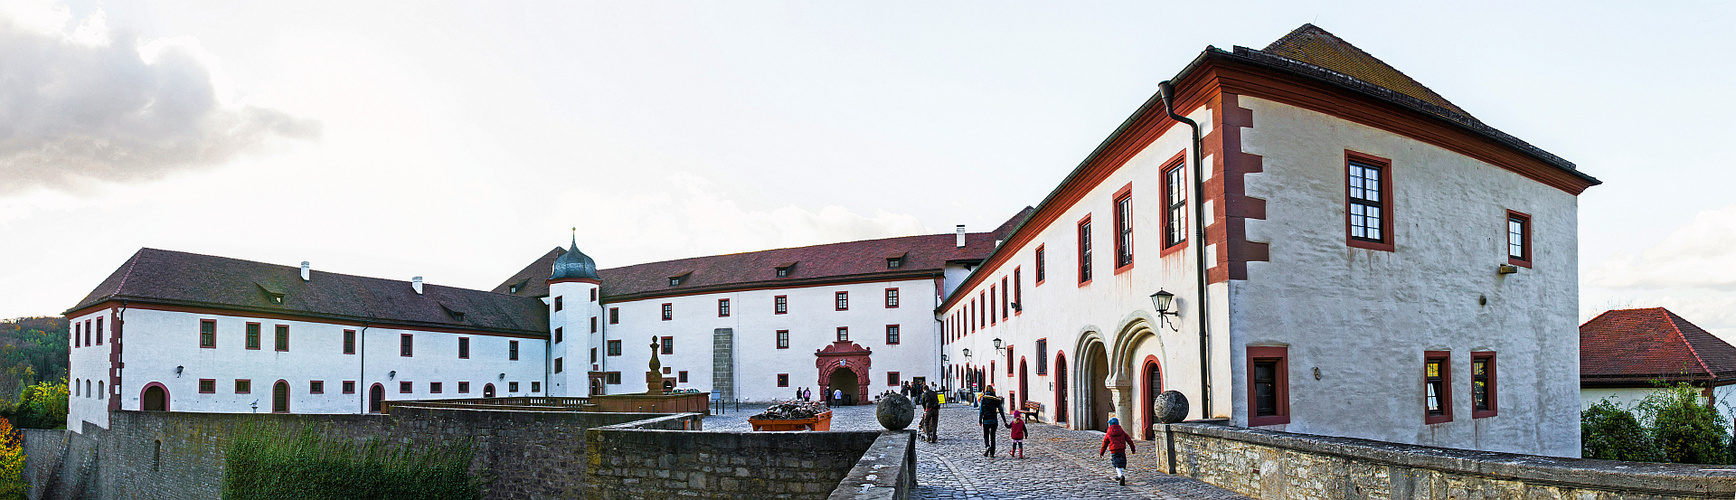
pixel 1167 91
pixel 362 362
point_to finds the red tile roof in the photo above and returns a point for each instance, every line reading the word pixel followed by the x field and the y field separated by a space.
pixel 923 255
pixel 1313 45
pixel 203 281
pixel 1638 346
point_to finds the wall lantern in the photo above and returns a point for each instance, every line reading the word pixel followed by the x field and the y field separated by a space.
pixel 178 371
pixel 1162 300
pixel 943 358
pixel 503 376
pixel 999 345
pixel 967 353
pixel 391 374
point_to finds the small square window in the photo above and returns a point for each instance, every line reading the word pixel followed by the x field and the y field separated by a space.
pixel 512 387
pixel 349 387
pixel 894 262
pixel 406 387
pixel 783 380
pixel 535 386
pixel 681 376
pixel 668 346
pixel 614 348
pixel 843 334
pixel 612 378
pixel 243 386
pixel 207 386
pixel 464 387
pixel 436 388
pixel 316 387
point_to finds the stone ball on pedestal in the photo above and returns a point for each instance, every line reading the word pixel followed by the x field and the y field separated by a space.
pixel 895 412
pixel 1170 407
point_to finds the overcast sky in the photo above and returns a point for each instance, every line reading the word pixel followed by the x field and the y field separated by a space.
pixel 460 141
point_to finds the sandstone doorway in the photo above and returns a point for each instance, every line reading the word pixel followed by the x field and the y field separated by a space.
pixel 1101 404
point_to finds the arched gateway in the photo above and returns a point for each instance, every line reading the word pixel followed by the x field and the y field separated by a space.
pixel 844 365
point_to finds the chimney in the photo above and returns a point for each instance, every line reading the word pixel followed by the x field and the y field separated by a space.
pixel 306 271
pixel 961 235
pixel 416 283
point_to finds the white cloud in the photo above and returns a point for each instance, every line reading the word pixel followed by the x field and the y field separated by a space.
pixel 87 105
pixel 1701 253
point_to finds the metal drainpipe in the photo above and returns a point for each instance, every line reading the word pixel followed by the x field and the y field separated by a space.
pixel 1167 91
pixel 114 378
pixel 362 362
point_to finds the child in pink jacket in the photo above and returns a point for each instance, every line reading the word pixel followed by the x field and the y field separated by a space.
pixel 1018 435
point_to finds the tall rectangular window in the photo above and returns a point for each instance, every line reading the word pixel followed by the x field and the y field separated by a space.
pixel 1175 205
pixel 593 324
pixel 1004 297
pixel 98 332
pixel 1368 202
pixel 283 338
pixel 780 304
pixel 252 339
pixel 463 347
pixel 843 334
pixel 668 345
pixel 558 304
pixel 593 354
pixel 1268 385
pixel 1018 292
pixel 681 376
pixel 614 348
pixel 783 339
pixel 558 366
pixel 891 298
pixel 208 333
pixel 1043 356
pixel 1437 387
pixel 614 315
pixel 892 334
pixel 1124 228
pixel 841 301
pixel 722 308
pixel 1518 239
pixel 406 345
pixel 1085 250
pixel 560 334
pixel 77 334
pixel 512 350
pixel 991 303
pixel 349 342
pixel 1040 274
pixel 593 295
pixel 668 311
pixel 1482 384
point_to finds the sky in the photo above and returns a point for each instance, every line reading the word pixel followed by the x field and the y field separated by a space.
pixel 459 141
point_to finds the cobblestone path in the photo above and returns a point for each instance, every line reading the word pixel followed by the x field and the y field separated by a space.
pixel 1059 463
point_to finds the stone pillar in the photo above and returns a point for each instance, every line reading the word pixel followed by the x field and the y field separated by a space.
pixel 1122 393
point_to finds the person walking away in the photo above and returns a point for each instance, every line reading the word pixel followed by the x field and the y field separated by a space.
pixel 798 393
pixel 1016 431
pixel 931 415
pixel 990 413
pixel 825 395
pixel 1117 441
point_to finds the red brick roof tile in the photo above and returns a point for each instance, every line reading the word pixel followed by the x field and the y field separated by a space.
pixel 1637 346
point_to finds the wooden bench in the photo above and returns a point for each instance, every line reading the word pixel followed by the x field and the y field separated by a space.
pixel 1032 409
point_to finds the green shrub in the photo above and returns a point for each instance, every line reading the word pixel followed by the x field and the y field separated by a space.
pixel 42 406
pixel 267 462
pixel 1684 429
pixel 1609 432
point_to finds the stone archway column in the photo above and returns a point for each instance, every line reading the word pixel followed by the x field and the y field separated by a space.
pixel 1123 394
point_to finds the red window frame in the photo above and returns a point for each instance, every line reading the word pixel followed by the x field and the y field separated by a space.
pixel 1005 293
pixel 894 335
pixel 843 334
pixel 512 350
pixel 1281 385
pixel 783 380
pixel 841 301
pixel 406 387
pixel 668 346
pixel 244 386
pixel 349 341
pixel 892 379
pixel 207 386
pixel 1490 386
pixel 1018 292
pixel 1386 201
pixel 1446 395
pixel 783 339
pixel 250 336
pixel 593 324
pixel 1082 233
pixel 993 318
pixel 316 387
pixel 614 315
pixel 99 330
pixel 436 387
pixel 1041 275
pixel 349 387
pixel 464 387
pixel 206 340
pixel 1524 238
pixel 723 308
pixel 560 335
pixel 558 366
pixel 593 295
pixel 1122 206
pixel 406 345
pixel 892 298
pixel 668 311
pixel 558 303
pixel 1174 199
pixel 280 338
pixel 781 304
pixel 464 345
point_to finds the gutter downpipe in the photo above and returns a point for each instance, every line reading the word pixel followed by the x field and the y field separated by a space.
pixel 1167 91
pixel 362 367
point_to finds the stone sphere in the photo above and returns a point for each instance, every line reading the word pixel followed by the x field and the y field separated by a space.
pixel 1170 407
pixel 895 412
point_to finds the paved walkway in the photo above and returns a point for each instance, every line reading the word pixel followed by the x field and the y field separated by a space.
pixel 1059 463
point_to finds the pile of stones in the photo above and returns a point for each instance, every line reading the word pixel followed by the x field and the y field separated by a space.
pixel 792 410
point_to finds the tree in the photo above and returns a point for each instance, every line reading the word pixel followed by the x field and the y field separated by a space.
pixel 12 485
pixel 43 406
pixel 1684 429
pixel 1609 432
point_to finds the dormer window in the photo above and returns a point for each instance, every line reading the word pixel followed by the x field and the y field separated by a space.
pixel 895 261
pixel 676 280
pixel 273 296
pixel 456 315
pixel 785 269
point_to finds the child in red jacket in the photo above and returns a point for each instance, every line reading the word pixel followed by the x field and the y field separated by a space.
pixel 1115 441
pixel 1018 435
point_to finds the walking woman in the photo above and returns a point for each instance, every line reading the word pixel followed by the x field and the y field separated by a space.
pixel 992 416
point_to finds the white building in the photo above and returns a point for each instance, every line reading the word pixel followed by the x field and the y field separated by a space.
pixel 1371 252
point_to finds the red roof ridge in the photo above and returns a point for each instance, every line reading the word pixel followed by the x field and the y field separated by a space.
pixel 1671 319
pixel 131 263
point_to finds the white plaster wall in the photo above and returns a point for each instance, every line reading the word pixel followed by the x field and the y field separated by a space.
pixel 575 350
pixel 156 342
pixel 1364 317
pixel 90 363
pixel 1110 307
pixel 811 320
pixel 1623 397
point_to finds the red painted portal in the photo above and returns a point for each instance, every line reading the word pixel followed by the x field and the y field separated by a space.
pixel 845 355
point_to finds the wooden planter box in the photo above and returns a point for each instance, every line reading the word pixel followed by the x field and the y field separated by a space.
pixel 821 422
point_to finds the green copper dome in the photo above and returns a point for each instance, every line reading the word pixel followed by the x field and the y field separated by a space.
pixel 574 265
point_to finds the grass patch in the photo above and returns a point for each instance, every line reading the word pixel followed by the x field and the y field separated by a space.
pixel 268 462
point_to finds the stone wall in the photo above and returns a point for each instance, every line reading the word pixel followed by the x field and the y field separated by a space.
pixel 887 471
pixel 642 460
pixel 518 454
pixel 1276 465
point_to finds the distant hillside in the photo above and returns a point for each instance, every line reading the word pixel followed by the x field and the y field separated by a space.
pixel 31 350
